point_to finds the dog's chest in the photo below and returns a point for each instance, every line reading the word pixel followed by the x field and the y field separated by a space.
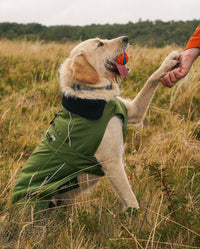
pixel 111 145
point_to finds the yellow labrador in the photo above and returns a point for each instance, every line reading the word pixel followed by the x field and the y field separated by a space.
pixel 91 73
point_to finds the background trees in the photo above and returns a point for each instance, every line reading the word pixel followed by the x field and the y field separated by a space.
pixel 145 33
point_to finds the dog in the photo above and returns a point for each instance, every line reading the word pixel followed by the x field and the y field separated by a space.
pixel 86 137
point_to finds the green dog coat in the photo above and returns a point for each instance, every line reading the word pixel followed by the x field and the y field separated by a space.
pixel 67 150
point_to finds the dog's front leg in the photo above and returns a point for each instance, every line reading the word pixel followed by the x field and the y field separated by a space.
pixel 110 153
pixel 116 175
pixel 138 107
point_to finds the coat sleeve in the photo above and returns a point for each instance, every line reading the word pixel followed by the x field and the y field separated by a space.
pixel 194 41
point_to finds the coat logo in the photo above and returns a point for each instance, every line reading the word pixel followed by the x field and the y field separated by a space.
pixel 50 137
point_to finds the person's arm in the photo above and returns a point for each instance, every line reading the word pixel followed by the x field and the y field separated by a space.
pixel 185 62
pixel 188 56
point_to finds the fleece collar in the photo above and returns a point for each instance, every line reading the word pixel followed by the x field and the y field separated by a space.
pixel 87 108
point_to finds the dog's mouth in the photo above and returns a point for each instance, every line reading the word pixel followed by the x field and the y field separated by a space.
pixel 115 67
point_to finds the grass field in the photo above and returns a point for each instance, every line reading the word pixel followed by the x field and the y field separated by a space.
pixel 162 159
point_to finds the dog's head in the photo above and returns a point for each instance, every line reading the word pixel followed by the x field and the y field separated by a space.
pixel 91 65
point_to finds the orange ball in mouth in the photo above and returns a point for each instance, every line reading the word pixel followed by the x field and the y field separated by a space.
pixel 122 58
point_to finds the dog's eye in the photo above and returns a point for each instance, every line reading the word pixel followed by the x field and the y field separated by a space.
pixel 100 44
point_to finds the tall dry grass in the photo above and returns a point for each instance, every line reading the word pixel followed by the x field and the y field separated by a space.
pixel 162 159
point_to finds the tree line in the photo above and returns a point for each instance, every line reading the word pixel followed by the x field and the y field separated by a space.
pixel 145 33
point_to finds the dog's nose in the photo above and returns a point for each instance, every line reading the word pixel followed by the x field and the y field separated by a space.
pixel 125 39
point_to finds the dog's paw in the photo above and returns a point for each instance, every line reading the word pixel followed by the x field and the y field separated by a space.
pixel 133 205
pixel 170 61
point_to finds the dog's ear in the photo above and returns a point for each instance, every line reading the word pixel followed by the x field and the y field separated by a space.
pixel 83 70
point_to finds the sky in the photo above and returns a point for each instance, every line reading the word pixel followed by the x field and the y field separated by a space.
pixel 86 12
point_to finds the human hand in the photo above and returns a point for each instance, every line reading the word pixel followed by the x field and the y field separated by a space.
pixel 181 70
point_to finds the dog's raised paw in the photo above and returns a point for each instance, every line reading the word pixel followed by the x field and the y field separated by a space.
pixel 171 61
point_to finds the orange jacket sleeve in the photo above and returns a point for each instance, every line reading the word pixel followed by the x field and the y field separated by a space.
pixel 194 41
